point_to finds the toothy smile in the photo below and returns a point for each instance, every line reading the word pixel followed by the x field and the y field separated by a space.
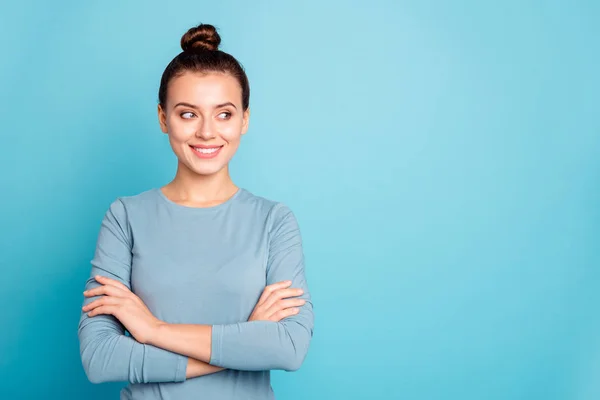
pixel 206 151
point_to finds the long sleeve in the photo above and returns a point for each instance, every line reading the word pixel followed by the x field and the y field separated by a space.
pixel 107 354
pixel 266 345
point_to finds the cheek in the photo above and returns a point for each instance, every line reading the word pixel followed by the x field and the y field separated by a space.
pixel 181 132
pixel 232 131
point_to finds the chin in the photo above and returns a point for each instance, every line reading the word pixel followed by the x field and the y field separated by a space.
pixel 206 170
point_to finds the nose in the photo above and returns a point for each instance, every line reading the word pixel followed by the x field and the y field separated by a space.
pixel 206 129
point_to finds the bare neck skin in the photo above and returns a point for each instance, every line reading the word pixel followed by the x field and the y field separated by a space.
pixel 193 190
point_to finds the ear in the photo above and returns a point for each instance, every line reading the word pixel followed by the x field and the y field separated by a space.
pixel 246 121
pixel 162 119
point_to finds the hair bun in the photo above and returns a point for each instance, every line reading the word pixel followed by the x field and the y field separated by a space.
pixel 201 37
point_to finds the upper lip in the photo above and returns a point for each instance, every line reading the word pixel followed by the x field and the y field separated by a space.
pixel 206 146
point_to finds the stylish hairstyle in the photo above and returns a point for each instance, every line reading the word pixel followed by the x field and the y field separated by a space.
pixel 201 54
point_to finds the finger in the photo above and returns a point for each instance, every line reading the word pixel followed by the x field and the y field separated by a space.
pixel 104 300
pixel 110 309
pixel 112 282
pixel 283 304
pixel 105 289
pixel 271 288
pixel 288 312
pixel 281 294
pixel 287 303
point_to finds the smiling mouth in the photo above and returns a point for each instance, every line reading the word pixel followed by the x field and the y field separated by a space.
pixel 206 152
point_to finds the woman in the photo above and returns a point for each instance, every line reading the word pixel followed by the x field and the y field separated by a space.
pixel 207 279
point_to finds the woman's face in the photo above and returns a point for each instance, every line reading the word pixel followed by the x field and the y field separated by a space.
pixel 204 119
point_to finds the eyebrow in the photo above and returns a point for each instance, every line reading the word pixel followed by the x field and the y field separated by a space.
pixel 197 108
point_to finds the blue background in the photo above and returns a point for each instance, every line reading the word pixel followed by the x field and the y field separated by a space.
pixel 442 158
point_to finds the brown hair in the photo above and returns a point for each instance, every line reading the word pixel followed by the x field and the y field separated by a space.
pixel 201 54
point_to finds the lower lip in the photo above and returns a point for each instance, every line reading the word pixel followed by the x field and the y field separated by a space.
pixel 206 155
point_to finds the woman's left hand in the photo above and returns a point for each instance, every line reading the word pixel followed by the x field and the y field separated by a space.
pixel 128 308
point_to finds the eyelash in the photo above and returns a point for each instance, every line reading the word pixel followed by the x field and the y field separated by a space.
pixel 189 112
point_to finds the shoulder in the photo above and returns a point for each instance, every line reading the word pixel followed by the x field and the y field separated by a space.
pixel 280 221
pixel 122 206
pixel 274 211
pixel 145 198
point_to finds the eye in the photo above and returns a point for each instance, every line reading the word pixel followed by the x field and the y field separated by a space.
pixel 187 112
pixel 225 115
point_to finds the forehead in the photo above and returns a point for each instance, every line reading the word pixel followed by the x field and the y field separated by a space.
pixel 204 90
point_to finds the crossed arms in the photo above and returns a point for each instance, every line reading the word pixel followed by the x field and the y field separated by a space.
pixel 182 351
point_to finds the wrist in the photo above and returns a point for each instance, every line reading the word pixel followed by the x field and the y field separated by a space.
pixel 156 332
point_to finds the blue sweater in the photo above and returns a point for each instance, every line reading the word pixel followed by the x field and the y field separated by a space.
pixel 198 266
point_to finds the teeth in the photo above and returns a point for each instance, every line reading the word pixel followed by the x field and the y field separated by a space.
pixel 206 151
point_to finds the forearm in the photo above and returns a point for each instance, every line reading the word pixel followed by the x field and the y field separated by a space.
pixel 197 368
pixel 108 355
pixel 261 345
pixel 191 340
pixel 250 346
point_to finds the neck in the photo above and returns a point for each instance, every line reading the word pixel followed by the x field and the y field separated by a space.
pixel 190 187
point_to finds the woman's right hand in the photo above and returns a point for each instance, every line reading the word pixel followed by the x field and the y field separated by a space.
pixel 274 303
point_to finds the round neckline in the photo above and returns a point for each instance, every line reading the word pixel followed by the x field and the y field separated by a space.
pixel 199 209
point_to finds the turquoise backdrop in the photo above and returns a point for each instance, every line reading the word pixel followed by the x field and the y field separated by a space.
pixel 442 158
